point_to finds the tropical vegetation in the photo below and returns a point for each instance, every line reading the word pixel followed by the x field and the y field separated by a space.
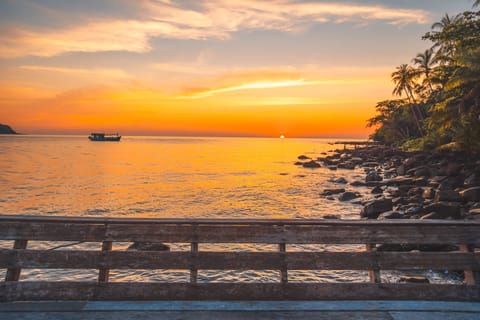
pixel 438 104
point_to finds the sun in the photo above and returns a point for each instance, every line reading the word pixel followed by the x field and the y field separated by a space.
pixel 282 136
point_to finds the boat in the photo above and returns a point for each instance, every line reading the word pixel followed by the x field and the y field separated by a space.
pixel 96 136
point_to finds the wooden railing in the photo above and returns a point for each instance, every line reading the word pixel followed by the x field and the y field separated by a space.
pixel 284 233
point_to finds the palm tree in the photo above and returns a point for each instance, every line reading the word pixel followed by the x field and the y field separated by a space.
pixel 404 79
pixel 445 47
pixel 425 62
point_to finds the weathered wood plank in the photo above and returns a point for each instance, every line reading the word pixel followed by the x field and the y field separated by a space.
pixel 16 291
pixel 309 234
pixel 13 274
pixel 76 259
pixel 51 231
pixel 104 273
pixel 215 221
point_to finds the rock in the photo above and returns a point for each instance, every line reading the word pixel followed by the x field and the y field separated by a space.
pixel 416 279
pixel 474 211
pixel 148 246
pixel 346 196
pixel 447 195
pixel 428 193
pixel 329 192
pixel 377 190
pixel 303 157
pixel 330 216
pixel 357 183
pixel 340 180
pixel 374 208
pixel 373 176
pixel 400 181
pixel 298 163
pixel 415 191
pixel 471 194
pixel 333 168
pixel 472 180
pixel 390 215
pixel 311 164
pixel 421 172
pixel 443 210
pixel 346 165
pixel 401 170
pixel 453 169
pixel 4 129
pixel 370 164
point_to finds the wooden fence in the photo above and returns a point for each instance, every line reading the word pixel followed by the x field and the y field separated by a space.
pixel 283 233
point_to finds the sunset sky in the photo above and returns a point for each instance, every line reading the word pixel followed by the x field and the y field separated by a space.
pixel 219 67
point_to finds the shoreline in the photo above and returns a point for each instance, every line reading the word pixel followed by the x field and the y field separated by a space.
pixel 406 185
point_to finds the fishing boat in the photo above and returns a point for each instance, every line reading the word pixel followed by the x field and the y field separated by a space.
pixel 95 136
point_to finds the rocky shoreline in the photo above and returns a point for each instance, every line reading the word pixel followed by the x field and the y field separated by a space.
pixel 5 129
pixel 406 185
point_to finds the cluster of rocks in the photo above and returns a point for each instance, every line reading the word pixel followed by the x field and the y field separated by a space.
pixel 407 185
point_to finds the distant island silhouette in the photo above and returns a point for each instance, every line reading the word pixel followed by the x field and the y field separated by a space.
pixel 5 129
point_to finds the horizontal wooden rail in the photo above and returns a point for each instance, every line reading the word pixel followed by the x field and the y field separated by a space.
pixel 70 259
pixel 282 233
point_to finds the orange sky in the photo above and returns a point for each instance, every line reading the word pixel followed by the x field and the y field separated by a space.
pixel 214 68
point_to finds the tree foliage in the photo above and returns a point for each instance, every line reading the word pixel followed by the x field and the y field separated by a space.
pixel 442 90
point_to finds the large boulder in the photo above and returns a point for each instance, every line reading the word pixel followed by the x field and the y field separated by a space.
pixel 471 194
pixel 443 210
pixel 303 157
pixel 373 209
pixel 447 195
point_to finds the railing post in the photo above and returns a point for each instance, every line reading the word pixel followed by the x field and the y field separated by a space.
pixel 282 247
pixel 14 274
pixel 469 275
pixel 104 274
pixel 374 274
pixel 193 268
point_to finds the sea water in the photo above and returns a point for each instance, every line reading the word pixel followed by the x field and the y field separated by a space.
pixel 173 177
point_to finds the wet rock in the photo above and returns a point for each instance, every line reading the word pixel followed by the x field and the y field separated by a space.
pixel 370 164
pixel 330 216
pixel 428 193
pixel 373 176
pixel 443 210
pixel 377 190
pixel 471 194
pixel 391 215
pixel 346 165
pixel 311 164
pixel 148 246
pixel 373 209
pixel 333 168
pixel 329 192
pixel 298 163
pixel 472 180
pixel 357 183
pixel 401 170
pixel 400 181
pixel 447 195
pixel 453 169
pixel 340 180
pixel 422 171
pixel 346 196
pixel 303 157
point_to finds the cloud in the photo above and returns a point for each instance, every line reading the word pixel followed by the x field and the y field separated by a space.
pixel 217 19
pixel 97 72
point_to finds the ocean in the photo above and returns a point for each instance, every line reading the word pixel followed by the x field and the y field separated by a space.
pixel 175 177
pixel 167 177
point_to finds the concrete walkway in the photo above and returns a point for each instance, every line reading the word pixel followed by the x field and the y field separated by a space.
pixel 236 310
